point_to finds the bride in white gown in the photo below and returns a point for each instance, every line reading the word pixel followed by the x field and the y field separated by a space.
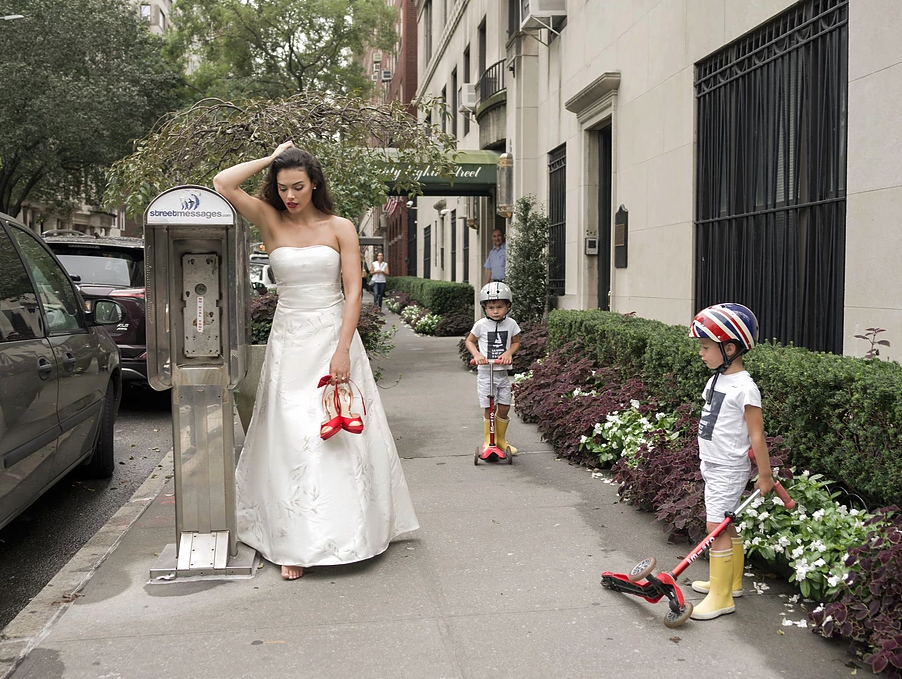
pixel 301 500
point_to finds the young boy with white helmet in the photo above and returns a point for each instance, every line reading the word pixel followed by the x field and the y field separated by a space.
pixel 495 338
pixel 731 423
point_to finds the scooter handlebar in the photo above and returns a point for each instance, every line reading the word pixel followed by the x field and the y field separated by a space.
pixel 491 361
pixel 788 502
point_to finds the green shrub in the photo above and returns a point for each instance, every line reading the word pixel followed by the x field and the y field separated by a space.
pixel 440 297
pixel 839 415
pixel 527 261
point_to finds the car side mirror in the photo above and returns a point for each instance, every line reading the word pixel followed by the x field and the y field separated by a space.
pixel 106 312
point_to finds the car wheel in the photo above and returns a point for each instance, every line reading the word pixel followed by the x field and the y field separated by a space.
pixel 103 460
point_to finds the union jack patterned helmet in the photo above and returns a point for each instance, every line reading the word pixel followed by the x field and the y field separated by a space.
pixel 725 323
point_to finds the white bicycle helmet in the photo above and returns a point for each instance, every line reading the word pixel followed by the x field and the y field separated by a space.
pixel 495 290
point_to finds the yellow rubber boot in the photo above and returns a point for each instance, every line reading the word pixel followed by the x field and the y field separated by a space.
pixel 719 600
pixel 703 586
pixel 501 435
pixel 487 435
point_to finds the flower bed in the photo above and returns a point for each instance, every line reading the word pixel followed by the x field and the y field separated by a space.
pixel 833 551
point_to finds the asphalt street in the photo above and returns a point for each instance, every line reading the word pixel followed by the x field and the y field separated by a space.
pixel 42 540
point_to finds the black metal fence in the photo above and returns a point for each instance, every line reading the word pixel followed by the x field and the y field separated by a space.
pixel 557 218
pixel 492 81
pixel 771 175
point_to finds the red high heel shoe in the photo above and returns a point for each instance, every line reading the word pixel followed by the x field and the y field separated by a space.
pixel 332 424
pixel 350 422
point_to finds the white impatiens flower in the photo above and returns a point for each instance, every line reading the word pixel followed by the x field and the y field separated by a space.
pixel 797 552
pixel 583 439
pixel 763 515
pixel 778 501
pixel 741 526
pixel 751 512
pixel 783 541
pixel 660 416
pixel 818 515
pixel 832 581
pixel 634 403
pixel 819 563
pixel 756 541
pixel 756 503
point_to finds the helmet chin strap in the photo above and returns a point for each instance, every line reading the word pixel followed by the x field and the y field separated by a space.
pixel 727 362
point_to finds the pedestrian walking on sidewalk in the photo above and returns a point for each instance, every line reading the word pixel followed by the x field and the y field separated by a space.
pixel 495 338
pixel 731 423
pixel 379 271
pixel 312 494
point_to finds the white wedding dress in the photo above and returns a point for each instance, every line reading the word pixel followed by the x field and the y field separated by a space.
pixel 301 500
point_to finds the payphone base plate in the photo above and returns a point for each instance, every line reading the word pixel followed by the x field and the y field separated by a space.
pixel 239 567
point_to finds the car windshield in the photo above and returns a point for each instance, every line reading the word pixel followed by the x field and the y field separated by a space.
pixel 106 269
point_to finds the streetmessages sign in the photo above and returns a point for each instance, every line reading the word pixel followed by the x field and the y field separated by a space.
pixel 190 205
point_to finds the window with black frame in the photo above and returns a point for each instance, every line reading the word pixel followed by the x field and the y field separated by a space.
pixel 771 174
pixel 557 219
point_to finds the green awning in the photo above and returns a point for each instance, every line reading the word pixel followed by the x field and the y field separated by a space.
pixel 476 175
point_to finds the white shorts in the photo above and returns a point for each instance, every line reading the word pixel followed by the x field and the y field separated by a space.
pixel 502 388
pixel 724 486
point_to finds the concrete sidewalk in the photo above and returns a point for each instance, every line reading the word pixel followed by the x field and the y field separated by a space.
pixel 501 580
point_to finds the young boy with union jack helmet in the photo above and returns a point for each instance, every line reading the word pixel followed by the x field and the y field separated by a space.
pixel 731 423
pixel 495 337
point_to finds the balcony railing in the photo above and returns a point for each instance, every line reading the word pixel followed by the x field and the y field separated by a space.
pixel 492 81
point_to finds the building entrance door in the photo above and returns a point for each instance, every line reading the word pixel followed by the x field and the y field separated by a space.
pixel 605 185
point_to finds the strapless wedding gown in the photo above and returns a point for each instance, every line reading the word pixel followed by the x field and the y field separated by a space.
pixel 301 500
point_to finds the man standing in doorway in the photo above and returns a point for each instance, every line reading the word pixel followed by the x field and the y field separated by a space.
pixel 497 259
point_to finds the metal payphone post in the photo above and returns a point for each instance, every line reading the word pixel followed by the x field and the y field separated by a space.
pixel 198 329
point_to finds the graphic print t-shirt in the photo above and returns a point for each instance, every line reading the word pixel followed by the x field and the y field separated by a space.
pixel 493 339
pixel 723 434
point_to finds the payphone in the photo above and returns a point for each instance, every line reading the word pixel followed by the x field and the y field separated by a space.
pixel 198 330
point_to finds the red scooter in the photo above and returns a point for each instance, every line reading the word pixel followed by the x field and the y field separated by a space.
pixel 643 583
pixel 491 452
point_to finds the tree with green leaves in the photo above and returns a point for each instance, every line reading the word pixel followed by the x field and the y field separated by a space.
pixel 81 79
pixel 527 261
pixel 365 148
pixel 274 48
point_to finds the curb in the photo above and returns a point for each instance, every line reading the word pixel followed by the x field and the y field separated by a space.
pixel 34 622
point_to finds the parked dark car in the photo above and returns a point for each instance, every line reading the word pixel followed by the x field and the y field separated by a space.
pixel 60 378
pixel 110 268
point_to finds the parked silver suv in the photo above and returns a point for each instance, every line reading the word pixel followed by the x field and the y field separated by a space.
pixel 60 377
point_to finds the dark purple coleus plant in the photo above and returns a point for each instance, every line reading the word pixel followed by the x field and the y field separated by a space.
pixel 869 612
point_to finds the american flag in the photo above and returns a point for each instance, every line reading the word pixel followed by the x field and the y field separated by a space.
pixel 391 206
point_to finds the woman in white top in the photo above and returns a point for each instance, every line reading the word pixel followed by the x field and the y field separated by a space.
pixel 379 272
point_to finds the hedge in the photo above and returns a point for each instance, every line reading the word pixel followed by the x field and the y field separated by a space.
pixel 440 297
pixel 840 416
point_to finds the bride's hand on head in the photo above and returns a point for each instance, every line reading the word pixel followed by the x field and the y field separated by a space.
pixel 340 366
pixel 281 148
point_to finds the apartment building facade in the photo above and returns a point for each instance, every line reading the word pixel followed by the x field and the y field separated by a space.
pixel 690 152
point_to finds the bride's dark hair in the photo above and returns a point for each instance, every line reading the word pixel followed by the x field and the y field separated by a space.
pixel 291 159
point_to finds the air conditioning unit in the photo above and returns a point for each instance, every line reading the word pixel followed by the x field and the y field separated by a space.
pixel 386 75
pixel 467 98
pixel 375 77
pixel 377 57
pixel 539 13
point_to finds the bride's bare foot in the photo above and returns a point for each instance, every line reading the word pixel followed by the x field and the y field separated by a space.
pixel 292 572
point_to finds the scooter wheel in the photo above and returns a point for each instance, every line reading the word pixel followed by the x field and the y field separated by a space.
pixel 476 456
pixel 672 619
pixel 510 458
pixel 642 569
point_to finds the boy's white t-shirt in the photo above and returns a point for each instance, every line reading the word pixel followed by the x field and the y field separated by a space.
pixel 723 434
pixel 493 339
